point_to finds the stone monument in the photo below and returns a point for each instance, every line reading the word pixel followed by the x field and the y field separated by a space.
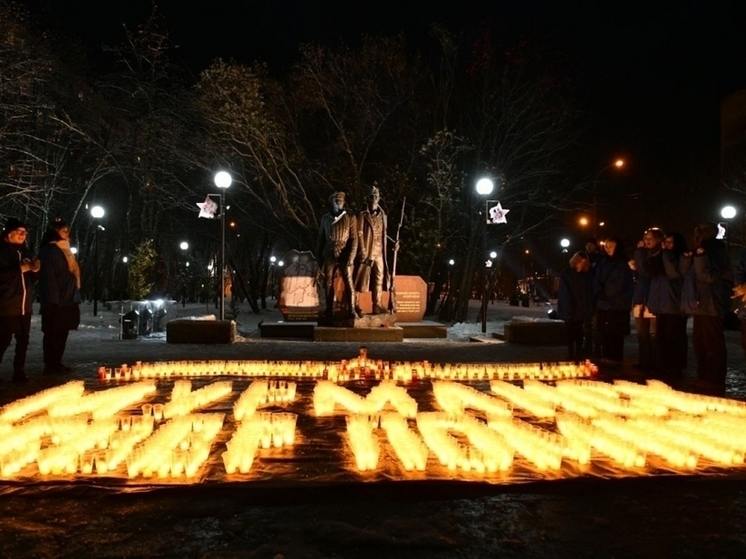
pixel 299 294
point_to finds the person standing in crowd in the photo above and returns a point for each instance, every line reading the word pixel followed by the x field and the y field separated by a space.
pixel 17 274
pixel 647 256
pixel 575 302
pixel 708 285
pixel 592 341
pixel 612 286
pixel 664 300
pixel 59 294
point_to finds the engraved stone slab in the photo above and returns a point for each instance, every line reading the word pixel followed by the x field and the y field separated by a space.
pixel 299 294
pixel 411 299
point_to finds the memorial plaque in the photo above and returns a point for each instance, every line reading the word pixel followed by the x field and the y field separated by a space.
pixel 411 299
pixel 299 295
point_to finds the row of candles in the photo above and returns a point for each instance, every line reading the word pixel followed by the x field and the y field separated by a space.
pixel 624 421
pixel 345 370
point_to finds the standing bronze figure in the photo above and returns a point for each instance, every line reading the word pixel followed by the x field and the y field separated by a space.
pixel 373 266
pixel 336 249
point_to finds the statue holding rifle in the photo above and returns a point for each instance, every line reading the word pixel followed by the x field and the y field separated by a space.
pixel 372 243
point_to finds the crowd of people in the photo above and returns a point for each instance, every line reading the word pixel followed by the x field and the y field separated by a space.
pixel 56 273
pixel 661 286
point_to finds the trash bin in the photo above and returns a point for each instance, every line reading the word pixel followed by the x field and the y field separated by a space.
pixel 158 319
pixel 146 322
pixel 130 324
pixel 524 300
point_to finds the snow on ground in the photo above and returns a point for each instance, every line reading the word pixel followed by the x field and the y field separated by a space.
pixel 107 324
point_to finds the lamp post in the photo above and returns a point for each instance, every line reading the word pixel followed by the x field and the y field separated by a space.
pixel 271 278
pixel 727 213
pixel 97 212
pixel 222 180
pixel 619 163
pixel 484 187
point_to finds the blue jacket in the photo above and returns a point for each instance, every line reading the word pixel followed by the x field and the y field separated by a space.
pixel 642 286
pixel 708 281
pixel 575 297
pixel 613 285
pixel 664 296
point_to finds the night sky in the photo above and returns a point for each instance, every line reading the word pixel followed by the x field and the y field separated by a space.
pixel 650 75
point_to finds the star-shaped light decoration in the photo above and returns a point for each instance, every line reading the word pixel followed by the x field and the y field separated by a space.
pixel 721 232
pixel 497 214
pixel 207 208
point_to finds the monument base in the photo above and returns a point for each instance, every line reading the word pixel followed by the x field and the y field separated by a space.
pixel 337 334
pixel 375 321
pixel 186 331
pixel 305 330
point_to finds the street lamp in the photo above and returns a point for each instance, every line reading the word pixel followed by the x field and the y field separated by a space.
pixel 727 213
pixel 97 212
pixel 484 186
pixel 272 274
pixel 619 163
pixel 222 180
pixel 565 244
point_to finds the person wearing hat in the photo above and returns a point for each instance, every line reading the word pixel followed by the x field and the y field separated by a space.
pixel 17 273
pixel 336 250
pixel 59 295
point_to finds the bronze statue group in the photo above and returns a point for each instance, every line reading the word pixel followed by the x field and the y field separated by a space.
pixel 353 247
pixel 663 285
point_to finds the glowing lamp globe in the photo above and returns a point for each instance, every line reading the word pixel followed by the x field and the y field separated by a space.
pixel 728 212
pixel 223 179
pixel 485 187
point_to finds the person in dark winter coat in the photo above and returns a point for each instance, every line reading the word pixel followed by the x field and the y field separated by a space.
pixel 592 341
pixel 664 300
pixel 647 255
pixel 575 302
pixel 17 274
pixel 59 295
pixel 612 286
pixel 705 295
